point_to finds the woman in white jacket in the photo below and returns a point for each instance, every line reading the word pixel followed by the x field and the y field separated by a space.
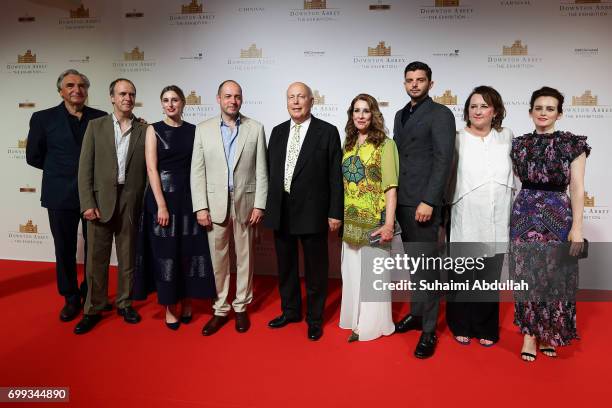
pixel 480 214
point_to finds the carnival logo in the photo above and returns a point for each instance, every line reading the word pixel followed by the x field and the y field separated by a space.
pixel 314 53
pixel 191 14
pixel 134 14
pixel 445 10
pixel 251 59
pixel 27 189
pixel 26 19
pixel 251 10
pixel 134 61
pixel 514 3
pixel 585 8
pixel 514 56
pixel 314 11
pixel 586 52
pixel 79 18
pixel 379 6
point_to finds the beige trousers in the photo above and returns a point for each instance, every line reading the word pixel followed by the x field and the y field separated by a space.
pixel 219 237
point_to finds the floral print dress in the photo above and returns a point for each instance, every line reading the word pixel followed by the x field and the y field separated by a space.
pixel 540 222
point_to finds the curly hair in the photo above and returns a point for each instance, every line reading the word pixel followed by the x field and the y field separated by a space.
pixel 492 98
pixel 377 131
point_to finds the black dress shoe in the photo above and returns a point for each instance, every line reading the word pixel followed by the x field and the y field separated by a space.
pixel 70 311
pixel 173 326
pixel 315 331
pixel 426 345
pixel 408 323
pixel 186 319
pixel 242 322
pixel 130 315
pixel 213 325
pixel 87 323
pixel 282 321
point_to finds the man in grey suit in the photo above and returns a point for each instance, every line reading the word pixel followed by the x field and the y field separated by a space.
pixel 229 186
pixel 424 132
pixel 112 178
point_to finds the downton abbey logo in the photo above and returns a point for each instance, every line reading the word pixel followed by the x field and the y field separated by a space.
pixel 586 106
pixel 585 8
pixel 17 151
pixel 134 61
pixel 592 211
pixel 26 64
pixel 321 108
pixel 450 101
pixel 28 233
pixel 251 59
pixel 379 7
pixel 191 14
pixel 314 11
pixel 514 56
pixel 80 18
pixel 445 10
pixel 379 57
pixel 194 110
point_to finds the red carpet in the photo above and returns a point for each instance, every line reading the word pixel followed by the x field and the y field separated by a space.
pixel 147 365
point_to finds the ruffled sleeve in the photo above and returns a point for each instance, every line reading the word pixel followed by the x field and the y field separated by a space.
pixel 579 145
pixel 389 165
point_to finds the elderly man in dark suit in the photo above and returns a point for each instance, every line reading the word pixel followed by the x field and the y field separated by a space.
pixel 424 132
pixel 112 178
pixel 54 145
pixel 305 199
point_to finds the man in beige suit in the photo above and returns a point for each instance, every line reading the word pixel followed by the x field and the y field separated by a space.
pixel 229 187
pixel 111 180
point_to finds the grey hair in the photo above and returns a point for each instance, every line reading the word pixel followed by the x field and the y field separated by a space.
pixel 71 71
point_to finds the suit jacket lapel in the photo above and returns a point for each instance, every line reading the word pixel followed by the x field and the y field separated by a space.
pixel 137 130
pixel 241 140
pixel 107 132
pixel 67 130
pixel 310 143
pixel 282 144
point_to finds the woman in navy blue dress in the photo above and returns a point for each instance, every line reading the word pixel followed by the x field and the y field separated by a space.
pixel 173 255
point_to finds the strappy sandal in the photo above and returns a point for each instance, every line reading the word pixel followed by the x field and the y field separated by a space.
pixel 545 350
pixel 463 342
pixel 526 354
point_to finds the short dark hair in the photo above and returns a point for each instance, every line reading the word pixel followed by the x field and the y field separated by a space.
pixel 225 82
pixel 174 89
pixel 71 71
pixel 492 98
pixel 111 87
pixel 418 65
pixel 547 91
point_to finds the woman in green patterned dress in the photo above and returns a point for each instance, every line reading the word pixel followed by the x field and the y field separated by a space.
pixel 370 170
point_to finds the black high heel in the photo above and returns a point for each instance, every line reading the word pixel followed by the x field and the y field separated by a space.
pixel 173 326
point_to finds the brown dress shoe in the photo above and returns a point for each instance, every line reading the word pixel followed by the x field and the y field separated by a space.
pixel 242 322
pixel 213 325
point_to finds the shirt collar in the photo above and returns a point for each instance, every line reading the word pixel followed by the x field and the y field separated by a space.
pixel 224 124
pixel 116 121
pixel 304 124
pixel 409 105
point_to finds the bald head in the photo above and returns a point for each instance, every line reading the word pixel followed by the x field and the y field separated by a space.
pixel 299 101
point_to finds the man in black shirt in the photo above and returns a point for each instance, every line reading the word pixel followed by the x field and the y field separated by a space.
pixel 424 132
pixel 54 146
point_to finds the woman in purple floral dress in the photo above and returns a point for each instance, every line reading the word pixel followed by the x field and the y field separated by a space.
pixel 543 219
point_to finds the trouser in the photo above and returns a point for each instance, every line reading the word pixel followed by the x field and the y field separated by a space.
pixel 121 226
pixel 428 303
pixel 64 226
pixel 219 237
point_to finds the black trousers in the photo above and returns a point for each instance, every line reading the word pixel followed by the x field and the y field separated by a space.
pixel 476 319
pixel 64 229
pixel 316 266
pixel 428 303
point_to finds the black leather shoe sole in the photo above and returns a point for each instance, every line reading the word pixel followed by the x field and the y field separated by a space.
pixel 87 323
pixel 282 321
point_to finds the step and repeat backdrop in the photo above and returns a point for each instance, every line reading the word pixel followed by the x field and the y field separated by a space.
pixel 338 47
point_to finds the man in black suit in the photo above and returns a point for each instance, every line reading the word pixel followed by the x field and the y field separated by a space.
pixel 305 199
pixel 424 132
pixel 54 146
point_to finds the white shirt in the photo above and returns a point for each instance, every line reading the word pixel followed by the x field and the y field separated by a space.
pixel 122 143
pixel 303 129
pixel 483 194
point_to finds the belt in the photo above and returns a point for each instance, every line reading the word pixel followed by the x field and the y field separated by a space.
pixel 544 187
